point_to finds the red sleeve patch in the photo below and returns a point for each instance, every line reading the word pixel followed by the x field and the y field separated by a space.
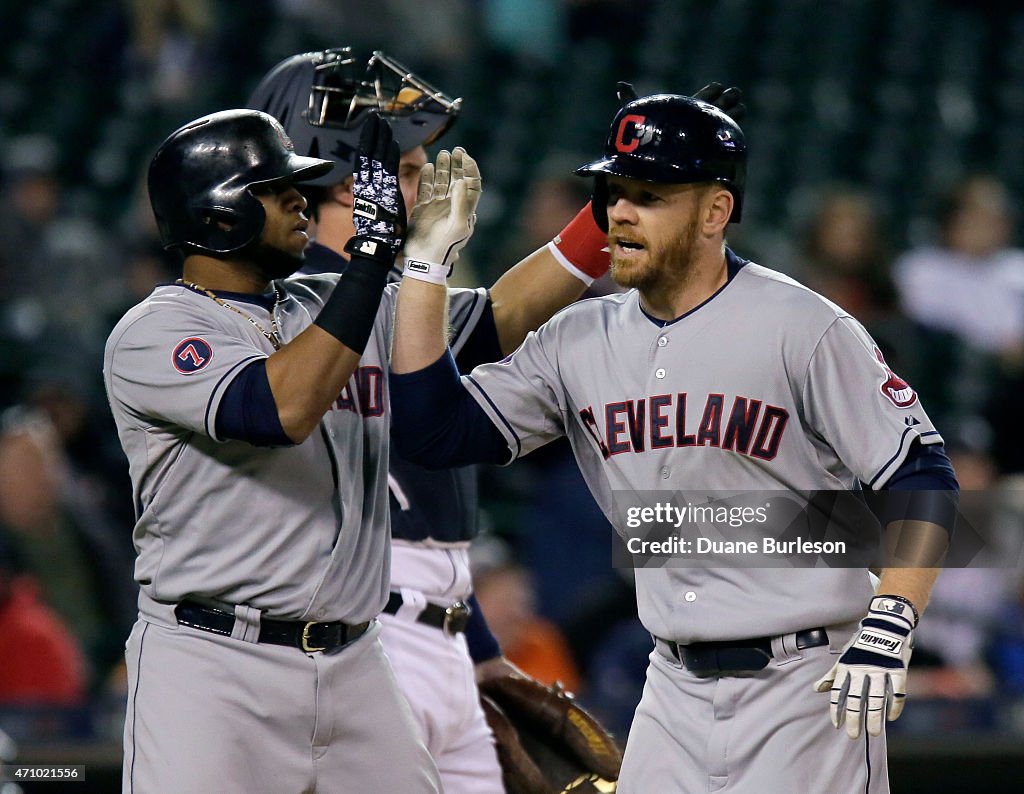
pixel 897 390
pixel 191 355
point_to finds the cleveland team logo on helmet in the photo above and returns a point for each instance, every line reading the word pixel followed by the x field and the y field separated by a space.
pixel 674 139
pixel 201 177
pixel 323 98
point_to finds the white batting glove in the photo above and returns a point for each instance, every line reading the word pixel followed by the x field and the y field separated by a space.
pixel 444 215
pixel 870 678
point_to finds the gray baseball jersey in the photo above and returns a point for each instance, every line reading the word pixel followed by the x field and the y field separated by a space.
pixel 298 532
pixel 766 386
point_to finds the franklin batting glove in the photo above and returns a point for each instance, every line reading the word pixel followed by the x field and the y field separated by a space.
pixel 870 679
pixel 444 216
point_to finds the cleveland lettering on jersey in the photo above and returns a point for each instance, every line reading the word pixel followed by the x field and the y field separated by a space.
pixel 747 426
pixel 369 382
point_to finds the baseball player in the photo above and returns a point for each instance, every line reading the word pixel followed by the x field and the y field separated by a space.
pixel 252 413
pixel 434 632
pixel 711 372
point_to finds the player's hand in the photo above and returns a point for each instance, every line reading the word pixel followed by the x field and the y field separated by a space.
pixel 869 682
pixel 378 211
pixel 728 100
pixel 444 215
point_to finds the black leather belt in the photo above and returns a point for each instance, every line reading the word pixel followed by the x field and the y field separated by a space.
pixel 450 620
pixel 310 635
pixel 737 656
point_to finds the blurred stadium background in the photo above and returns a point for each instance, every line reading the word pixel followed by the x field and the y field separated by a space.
pixel 886 170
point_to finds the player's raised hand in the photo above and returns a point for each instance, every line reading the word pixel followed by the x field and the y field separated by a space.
pixel 378 211
pixel 728 100
pixel 869 682
pixel 444 216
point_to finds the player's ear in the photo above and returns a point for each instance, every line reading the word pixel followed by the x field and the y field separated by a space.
pixel 342 193
pixel 719 208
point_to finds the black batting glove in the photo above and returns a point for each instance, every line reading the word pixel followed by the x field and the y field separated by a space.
pixel 728 100
pixel 625 92
pixel 378 211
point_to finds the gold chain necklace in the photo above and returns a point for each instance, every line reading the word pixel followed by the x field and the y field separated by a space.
pixel 273 335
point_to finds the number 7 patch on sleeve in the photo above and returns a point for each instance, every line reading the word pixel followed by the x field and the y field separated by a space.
pixel 191 355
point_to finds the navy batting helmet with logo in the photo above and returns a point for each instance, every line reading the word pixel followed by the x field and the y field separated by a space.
pixel 322 99
pixel 674 139
pixel 201 178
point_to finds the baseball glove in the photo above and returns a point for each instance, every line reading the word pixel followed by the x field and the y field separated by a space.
pixel 546 742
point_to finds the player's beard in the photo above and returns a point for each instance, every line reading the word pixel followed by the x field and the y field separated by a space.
pixel 272 262
pixel 664 264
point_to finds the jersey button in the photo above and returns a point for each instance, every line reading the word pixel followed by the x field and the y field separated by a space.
pixel 665 472
pixel 662 341
pixel 659 373
pixel 690 596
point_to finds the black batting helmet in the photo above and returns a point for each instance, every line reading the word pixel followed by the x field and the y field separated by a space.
pixel 201 177
pixel 672 139
pixel 322 99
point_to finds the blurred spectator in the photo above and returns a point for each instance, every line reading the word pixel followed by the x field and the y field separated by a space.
pixel 168 40
pixel 970 286
pixel 550 201
pixel 506 596
pixel 42 662
pixel 971 282
pixel 58 535
pixel 55 270
pixel 70 396
pixel 845 254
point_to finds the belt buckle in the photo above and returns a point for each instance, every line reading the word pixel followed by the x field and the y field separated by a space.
pixel 455 618
pixel 305 639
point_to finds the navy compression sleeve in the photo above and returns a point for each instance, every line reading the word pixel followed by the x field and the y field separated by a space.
pixel 248 411
pixel 924 488
pixel 436 423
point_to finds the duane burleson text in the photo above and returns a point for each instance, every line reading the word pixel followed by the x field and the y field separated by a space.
pixel 684 546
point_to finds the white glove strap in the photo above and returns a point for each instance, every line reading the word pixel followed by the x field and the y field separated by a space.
pixel 427 271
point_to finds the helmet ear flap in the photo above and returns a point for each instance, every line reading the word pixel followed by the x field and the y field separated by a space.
pixel 599 202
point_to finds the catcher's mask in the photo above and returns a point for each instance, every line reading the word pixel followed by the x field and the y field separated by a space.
pixel 322 99
pixel 201 178
pixel 673 139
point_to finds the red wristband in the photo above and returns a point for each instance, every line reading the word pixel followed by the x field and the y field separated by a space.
pixel 582 246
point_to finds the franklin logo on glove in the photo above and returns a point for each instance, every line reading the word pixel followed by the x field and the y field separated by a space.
pixel 365 209
pixel 879 642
